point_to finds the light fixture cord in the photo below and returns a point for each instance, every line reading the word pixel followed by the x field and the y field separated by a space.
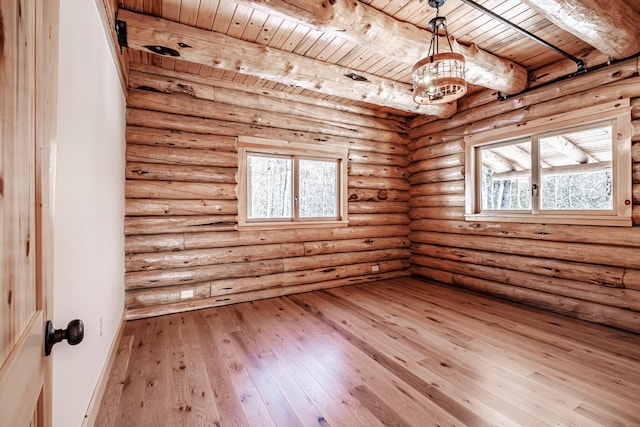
pixel 446 34
pixel 435 34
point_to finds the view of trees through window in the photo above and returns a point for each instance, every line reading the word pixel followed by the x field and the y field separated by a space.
pixel 578 191
pixel 318 188
pixel 271 189
pixel 585 191
pixel 504 194
pixel 575 171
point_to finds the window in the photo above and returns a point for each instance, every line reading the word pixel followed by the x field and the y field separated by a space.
pixel 572 168
pixel 285 184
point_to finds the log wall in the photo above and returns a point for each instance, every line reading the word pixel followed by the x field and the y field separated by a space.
pixel 182 248
pixel 589 272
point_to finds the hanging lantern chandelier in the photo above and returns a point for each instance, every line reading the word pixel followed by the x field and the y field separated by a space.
pixel 439 77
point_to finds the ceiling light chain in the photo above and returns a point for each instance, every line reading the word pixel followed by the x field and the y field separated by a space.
pixel 439 77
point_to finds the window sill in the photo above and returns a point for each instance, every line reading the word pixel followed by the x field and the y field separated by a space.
pixel 603 220
pixel 291 225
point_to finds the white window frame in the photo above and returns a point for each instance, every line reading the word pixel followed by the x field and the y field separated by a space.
pixel 296 150
pixel 618 112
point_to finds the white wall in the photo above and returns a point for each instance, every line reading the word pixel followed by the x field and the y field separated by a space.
pixel 89 211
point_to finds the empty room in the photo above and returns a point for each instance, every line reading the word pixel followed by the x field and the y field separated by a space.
pixel 320 213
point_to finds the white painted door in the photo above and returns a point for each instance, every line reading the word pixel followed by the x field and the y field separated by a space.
pixel 28 79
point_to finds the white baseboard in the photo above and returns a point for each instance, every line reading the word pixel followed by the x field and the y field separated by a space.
pixel 98 393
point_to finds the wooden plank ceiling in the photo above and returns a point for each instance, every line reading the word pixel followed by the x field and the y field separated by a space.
pixel 276 24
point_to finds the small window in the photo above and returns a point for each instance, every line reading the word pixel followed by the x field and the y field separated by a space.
pixel 290 184
pixel 571 169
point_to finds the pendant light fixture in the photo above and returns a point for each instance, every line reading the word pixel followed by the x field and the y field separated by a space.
pixel 439 77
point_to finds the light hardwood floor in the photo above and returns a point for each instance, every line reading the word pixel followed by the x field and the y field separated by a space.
pixel 403 352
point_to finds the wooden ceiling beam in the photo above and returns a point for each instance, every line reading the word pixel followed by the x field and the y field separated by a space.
pixel 496 162
pixel 556 170
pixel 381 33
pixel 516 155
pixel 157 35
pixel 610 26
pixel 569 149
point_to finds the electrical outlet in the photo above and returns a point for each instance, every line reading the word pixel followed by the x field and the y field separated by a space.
pixel 375 268
pixel 186 294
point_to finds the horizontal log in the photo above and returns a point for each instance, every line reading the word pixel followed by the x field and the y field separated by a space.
pixel 623 236
pixel 329 261
pixel 178 224
pixel 166 295
pixel 199 257
pixel 155 243
pixel 163 172
pixel 155 207
pixel 234 94
pixel 297 235
pixel 577 252
pixel 181 276
pixel 239 56
pixel 377 159
pixel 196 304
pixel 598 313
pixel 439 175
pixel 180 156
pixel 293 278
pixel 378 183
pixel 635 108
pixel 635 133
pixel 378 219
pixel 184 123
pixel 178 190
pixel 598 275
pixel 449 212
pixel 472 100
pixel 350 252
pixel 635 152
pixel 618 79
pixel 187 105
pixel 355 245
pixel 378 207
pixel 438 200
pixel 140 244
pixel 424 149
pixel 377 171
pixel 594 22
pixel 448 187
pixel 564 67
pixel 432 274
pixel 436 163
pixel 616 297
pixel 141 135
pixel 264 91
pixel 635 216
pixel 611 92
pixel 368 194
pixel 631 279
pixel 636 193
pixel 635 174
pixel 372 29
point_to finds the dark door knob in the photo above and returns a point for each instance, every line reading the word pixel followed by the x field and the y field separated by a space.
pixel 73 334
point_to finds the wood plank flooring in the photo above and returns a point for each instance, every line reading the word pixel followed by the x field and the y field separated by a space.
pixel 402 352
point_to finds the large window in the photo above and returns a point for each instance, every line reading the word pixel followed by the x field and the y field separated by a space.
pixel 283 184
pixel 572 168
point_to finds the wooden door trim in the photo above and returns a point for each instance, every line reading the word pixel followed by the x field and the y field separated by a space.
pixel 47 47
